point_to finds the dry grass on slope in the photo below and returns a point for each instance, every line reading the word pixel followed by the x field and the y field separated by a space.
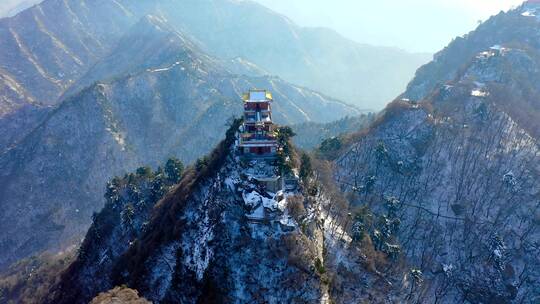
pixel 120 295
pixel 29 280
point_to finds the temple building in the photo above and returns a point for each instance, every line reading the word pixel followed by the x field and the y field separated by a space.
pixel 257 135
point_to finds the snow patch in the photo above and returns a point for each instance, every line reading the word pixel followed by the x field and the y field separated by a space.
pixel 447 268
pixel 485 55
pixel 118 137
pixel 258 203
pixel 286 220
pixel 529 13
pixel 479 93
pixel 231 182
pixel 332 229
pixel 200 253
pixel 252 199
pixel 164 69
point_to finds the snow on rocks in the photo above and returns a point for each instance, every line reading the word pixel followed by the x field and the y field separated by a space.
pixel 448 268
pixel 264 206
pixel 162 270
pixel 252 199
pixel 528 13
pixel 201 253
pixel 269 203
pixel 286 220
pixel 530 9
pixel 257 214
pixel 485 55
pixel 479 93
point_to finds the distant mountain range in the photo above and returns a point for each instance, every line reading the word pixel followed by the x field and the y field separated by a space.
pixel 164 97
pixel 310 135
pixel 74 35
pixel 90 89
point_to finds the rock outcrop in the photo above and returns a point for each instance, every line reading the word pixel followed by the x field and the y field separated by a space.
pixel 119 295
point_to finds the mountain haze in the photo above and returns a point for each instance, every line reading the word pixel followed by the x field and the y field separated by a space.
pixel 170 100
pixel 74 35
pixel 436 199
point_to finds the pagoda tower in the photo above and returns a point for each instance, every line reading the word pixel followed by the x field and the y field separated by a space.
pixel 257 137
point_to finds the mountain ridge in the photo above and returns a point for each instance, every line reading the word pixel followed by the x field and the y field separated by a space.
pixel 111 127
pixel 460 167
pixel 201 246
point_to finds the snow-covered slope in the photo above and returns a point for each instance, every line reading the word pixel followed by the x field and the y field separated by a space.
pixel 513 29
pixel 219 236
pixel 464 178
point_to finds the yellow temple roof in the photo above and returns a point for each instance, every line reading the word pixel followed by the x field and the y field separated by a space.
pixel 257 95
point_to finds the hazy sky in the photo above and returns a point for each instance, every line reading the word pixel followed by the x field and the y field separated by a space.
pixel 417 25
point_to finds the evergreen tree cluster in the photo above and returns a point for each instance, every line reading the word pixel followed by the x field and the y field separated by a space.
pixel 285 161
pixel 129 201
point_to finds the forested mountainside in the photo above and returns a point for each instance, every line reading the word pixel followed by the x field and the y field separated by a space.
pixel 466 194
pixel 175 103
pixel 461 170
pixel 516 29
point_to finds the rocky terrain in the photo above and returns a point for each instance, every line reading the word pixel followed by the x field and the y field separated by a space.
pixel 437 200
pixel 119 295
pixel 220 237
pixel 198 243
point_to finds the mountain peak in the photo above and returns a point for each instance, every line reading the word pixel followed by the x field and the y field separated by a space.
pixel 220 230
